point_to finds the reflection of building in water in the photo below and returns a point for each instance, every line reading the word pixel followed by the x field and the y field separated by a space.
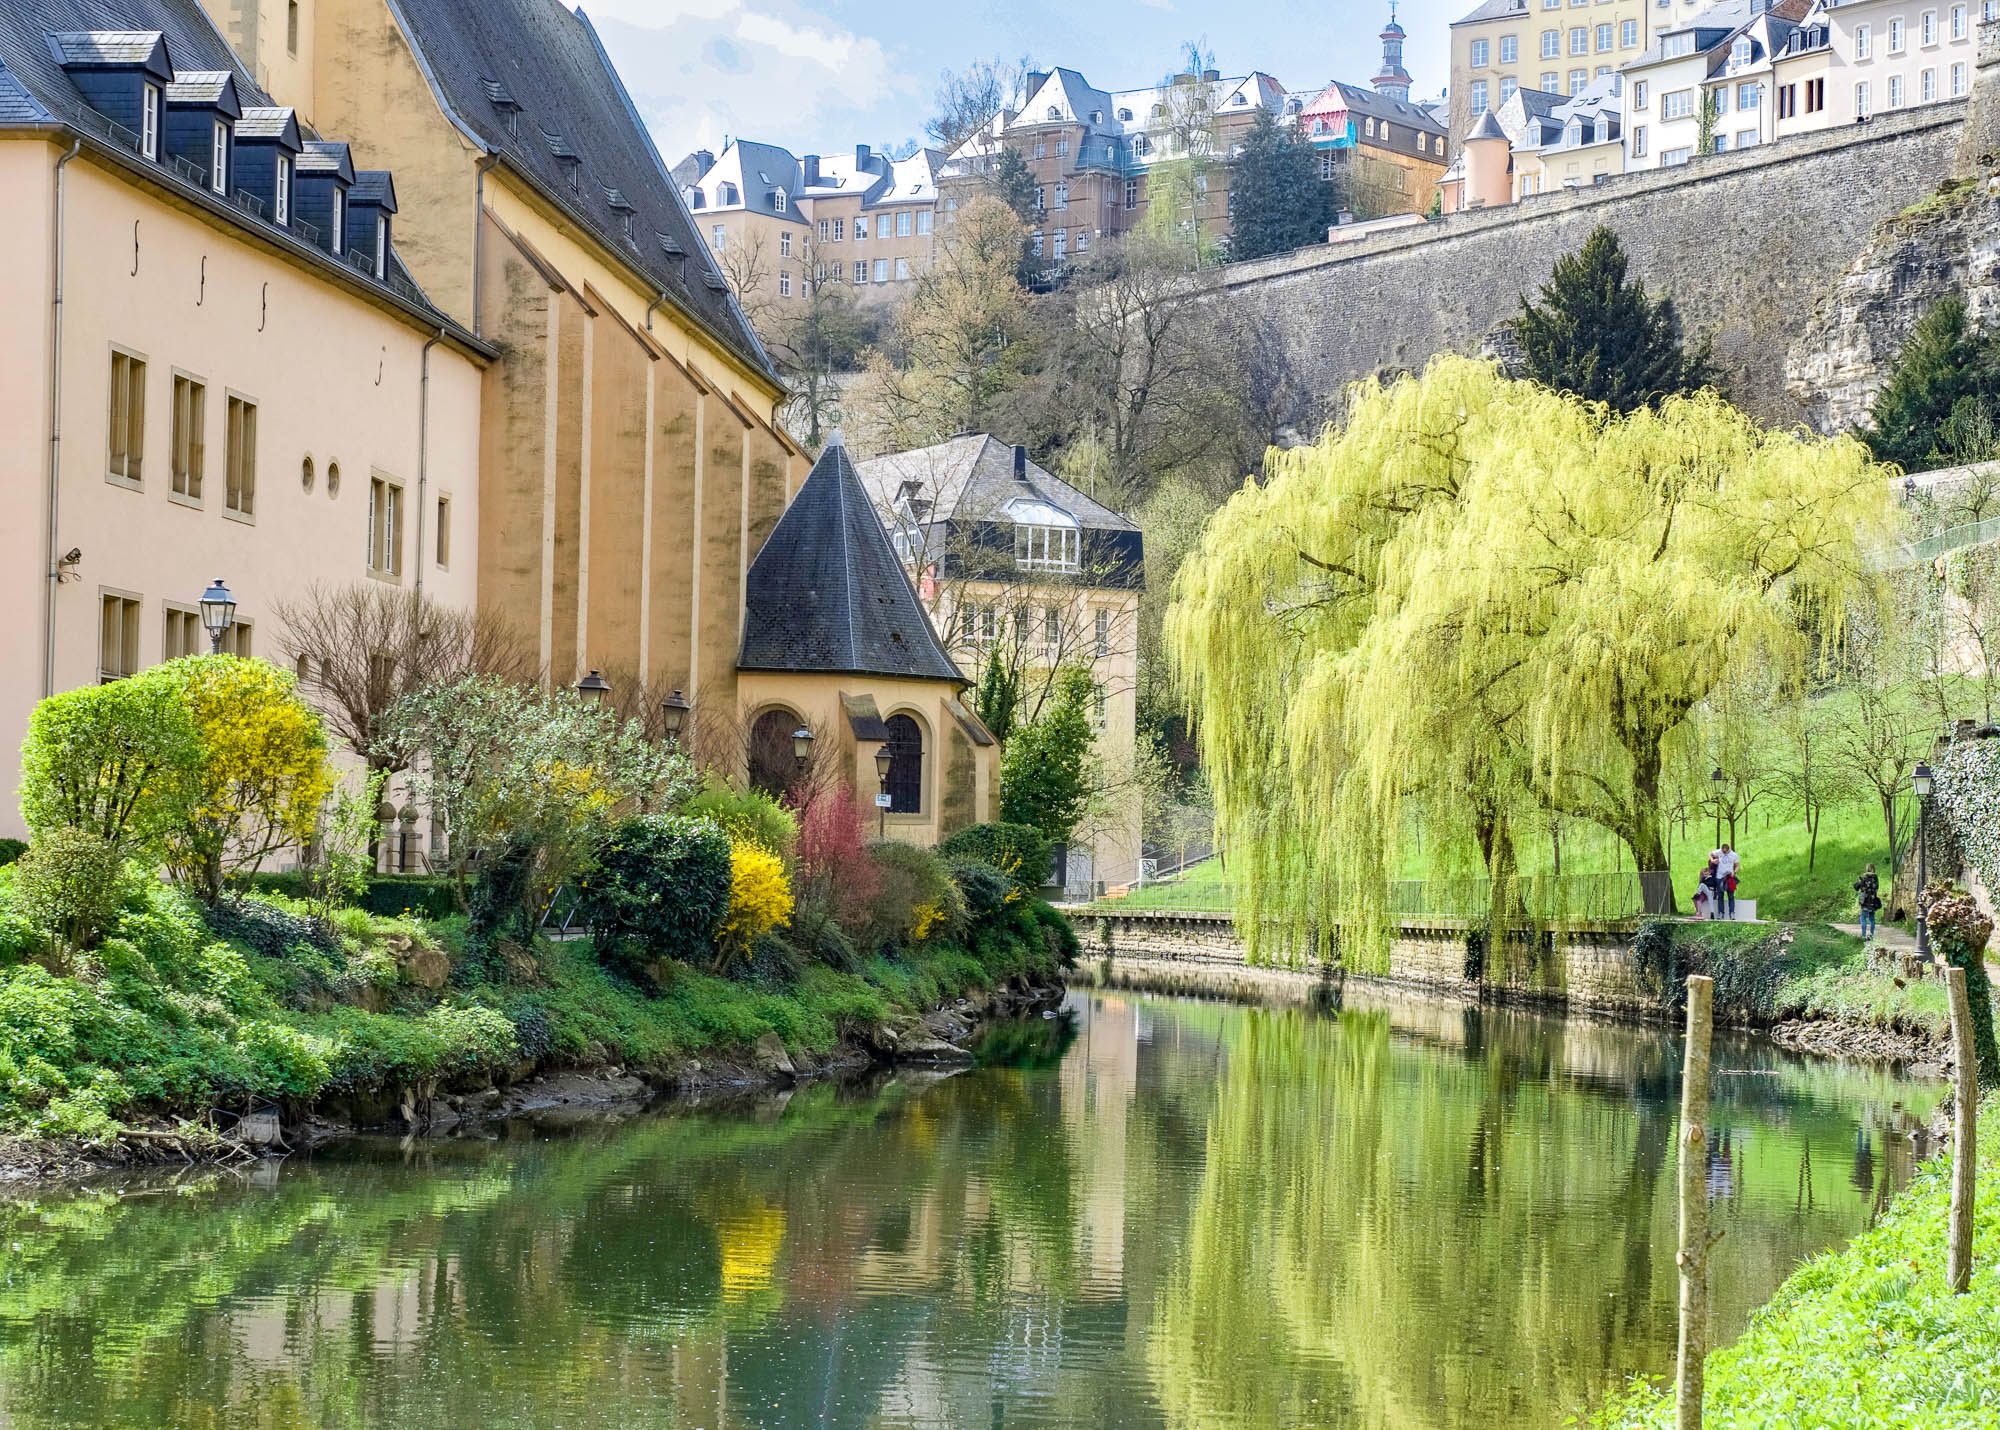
pixel 1099 1079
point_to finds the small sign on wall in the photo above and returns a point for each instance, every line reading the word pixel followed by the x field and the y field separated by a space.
pixel 881 801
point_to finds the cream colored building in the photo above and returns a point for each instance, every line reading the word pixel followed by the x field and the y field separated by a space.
pixel 631 459
pixel 1009 558
pixel 1578 143
pixel 776 222
pixel 226 388
pixel 1882 55
pixel 1556 46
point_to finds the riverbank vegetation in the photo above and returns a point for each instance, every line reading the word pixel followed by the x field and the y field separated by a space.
pixel 144 971
pixel 1867 1335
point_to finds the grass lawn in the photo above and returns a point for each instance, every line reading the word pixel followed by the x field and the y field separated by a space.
pixel 1866 1335
pixel 1204 887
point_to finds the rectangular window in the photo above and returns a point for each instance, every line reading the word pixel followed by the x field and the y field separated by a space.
pixel 881 270
pixel 184 635
pixel 1898 35
pixel 236 640
pixel 1815 95
pixel 340 220
pixel 1479 105
pixel 840 230
pixel 292 27
pixel 385 527
pixel 1628 35
pixel 1552 43
pixel 860 228
pixel 1579 81
pixel 1103 633
pixel 923 221
pixel 1051 626
pixel 218 158
pixel 1720 144
pixel 1041 198
pixel 1864 41
pixel 1579 40
pixel 718 237
pixel 1041 148
pixel 185 439
pixel 1510 49
pixel 1083 240
pixel 1479 54
pixel 1061 249
pixel 240 485
pixel 1745 138
pixel 902 269
pixel 1895 91
pixel 860 270
pixel 1550 81
pixel 118 638
pixel 784 283
pixel 1604 40
pixel 1639 89
pixel 1927 28
pixel 1035 243
pixel 444 532
pixel 1927 83
pixel 281 210
pixel 1672 158
pixel 825 229
pixel 785 244
pixel 1957 79
pixel 1062 198
pixel 1958 22
pixel 903 218
pixel 381 246
pixel 1046 548
pixel 149 121
pixel 1861 98
pixel 1787 100
pixel 1062 147
pixel 1131 193
pixel 128 417
pixel 1749 96
pixel 1677 104
pixel 1508 86
pixel 1674 47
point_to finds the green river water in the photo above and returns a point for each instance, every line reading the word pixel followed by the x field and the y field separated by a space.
pixel 1153 1212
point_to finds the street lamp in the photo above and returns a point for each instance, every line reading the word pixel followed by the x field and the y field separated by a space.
pixel 802 746
pixel 218 614
pixel 673 715
pixel 882 761
pixel 1920 781
pixel 1716 780
pixel 593 688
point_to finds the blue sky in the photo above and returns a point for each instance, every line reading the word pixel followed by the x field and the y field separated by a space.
pixel 818 76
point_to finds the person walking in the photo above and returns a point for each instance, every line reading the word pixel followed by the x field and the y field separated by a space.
pixel 1868 890
pixel 1710 896
pixel 1727 862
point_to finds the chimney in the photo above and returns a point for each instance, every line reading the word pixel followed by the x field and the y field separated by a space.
pixel 810 167
pixel 862 154
pixel 1211 75
pixel 1036 79
pixel 1021 465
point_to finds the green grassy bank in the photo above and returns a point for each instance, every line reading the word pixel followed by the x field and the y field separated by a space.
pixel 182 1008
pixel 1868 1335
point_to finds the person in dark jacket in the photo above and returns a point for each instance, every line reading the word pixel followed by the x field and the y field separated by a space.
pixel 1711 889
pixel 1868 890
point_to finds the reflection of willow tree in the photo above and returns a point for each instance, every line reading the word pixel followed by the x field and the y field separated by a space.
pixel 1373 1239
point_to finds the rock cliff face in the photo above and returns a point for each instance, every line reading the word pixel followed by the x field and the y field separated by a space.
pixel 1947 243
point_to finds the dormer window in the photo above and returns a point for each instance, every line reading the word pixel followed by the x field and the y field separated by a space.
pixel 281 198
pixel 339 221
pixel 725 193
pixel 1054 113
pixel 778 200
pixel 149 122
pixel 1240 99
pixel 1124 114
pixel 218 158
pixel 1739 53
pixel 381 246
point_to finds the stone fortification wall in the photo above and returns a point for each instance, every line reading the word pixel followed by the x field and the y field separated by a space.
pixel 1746 243
pixel 1586 969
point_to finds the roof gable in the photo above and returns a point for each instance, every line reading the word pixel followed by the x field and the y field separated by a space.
pixel 827 593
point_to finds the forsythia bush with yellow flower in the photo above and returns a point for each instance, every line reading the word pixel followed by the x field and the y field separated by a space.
pixel 760 899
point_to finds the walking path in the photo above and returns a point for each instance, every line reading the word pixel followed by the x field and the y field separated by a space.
pixel 1885 936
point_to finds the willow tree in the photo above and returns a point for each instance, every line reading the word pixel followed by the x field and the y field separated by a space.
pixel 1482 603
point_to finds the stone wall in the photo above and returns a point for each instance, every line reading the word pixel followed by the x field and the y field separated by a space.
pixel 1746 243
pixel 1589 969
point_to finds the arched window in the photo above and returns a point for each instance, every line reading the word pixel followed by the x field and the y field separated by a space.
pixel 778 200
pixel 1054 113
pixel 725 193
pixel 906 765
pixel 774 768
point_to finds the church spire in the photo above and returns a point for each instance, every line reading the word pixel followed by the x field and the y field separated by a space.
pixel 1394 80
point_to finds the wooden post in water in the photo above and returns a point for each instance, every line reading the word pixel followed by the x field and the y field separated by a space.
pixel 1692 1257
pixel 1964 1138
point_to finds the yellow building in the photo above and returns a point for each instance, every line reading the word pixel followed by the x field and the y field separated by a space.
pixel 631 462
pixel 214 363
pixel 1557 46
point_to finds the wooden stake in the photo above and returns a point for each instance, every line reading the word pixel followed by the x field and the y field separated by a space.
pixel 1692 1257
pixel 1964 1138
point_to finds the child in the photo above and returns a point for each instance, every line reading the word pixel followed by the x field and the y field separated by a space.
pixel 1869 890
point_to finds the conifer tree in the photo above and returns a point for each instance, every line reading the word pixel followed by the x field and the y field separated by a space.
pixel 1045 774
pixel 1277 199
pixel 1944 375
pixel 1599 337
pixel 999 696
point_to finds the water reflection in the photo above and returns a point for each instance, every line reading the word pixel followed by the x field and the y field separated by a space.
pixel 1190 1215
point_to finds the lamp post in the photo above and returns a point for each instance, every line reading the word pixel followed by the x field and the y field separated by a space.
pixel 802 746
pixel 218 614
pixel 593 688
pixel 673 715
pixel 1920 781
pixel 882 762
pixel 1716 780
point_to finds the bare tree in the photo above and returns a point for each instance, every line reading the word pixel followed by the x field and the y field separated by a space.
pixel 751 269
pixel 358 648
pixel 969 99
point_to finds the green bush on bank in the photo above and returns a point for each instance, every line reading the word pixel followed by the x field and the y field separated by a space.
pixel 1867 1335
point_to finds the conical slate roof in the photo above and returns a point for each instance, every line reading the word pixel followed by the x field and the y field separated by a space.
pixel 827 593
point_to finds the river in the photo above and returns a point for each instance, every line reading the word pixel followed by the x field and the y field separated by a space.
pixel 1150 1213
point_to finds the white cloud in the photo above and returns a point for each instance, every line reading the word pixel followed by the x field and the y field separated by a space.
pixel 703 69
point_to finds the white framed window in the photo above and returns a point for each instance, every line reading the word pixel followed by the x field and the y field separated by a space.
pixel 1479 54
pixel 903 218
pixel 1579 40
pixel 1679 46
pixel 784 283
pixel 1479 104
pixel 1131 193
pixel 1628 35
pixel 281 198
pixel 860 270
pixel 381 245
pixel 1060 248
pixel 1927 86
pixel 1510 49
pixel 1639 93
pixel 1958 22
pixel 1604 38
pixel 1062 147
pixel 1739 53
pixel 385 526
pixel 1047 548
pixel 127 409
pixel 1550 80
pixel 1749 96
pixel 779 200
pixel 861 228
pixel 1745 138
pixel 1579 81
pixel 1508 86
pixel 1062 198
pixel 840 230
pixel 218 158
pixel 924 222
pixel 1103 632
pixel 1035 243
pixel 902 270
pixel 1862 106
pixel 1895 91
pixel 825 230
pixel 718 238
pixel 339 220
pixel 1041 148
pixel 1041 198
pixel 785 244
pixel 1677 104
pixel 1898 35
pixel 1958 79
pixel 1674 158
pixel 149 121
pixel 1927 28
pixel 1864 41
pixel 239 496
pixel 1552 43
pixel 881 270
pixel 1083 240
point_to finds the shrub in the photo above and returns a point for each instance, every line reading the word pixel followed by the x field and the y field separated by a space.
pixel 746 814
pixel 759 900
pixel 837 879
pixel 118 760
pixel 1961 932
pixel 1044 773
pixel 1019 851
pixel 983 888
pixel 915 898
pixel 389 896
pixel 10 850
pixel 69 885
pixel 661 888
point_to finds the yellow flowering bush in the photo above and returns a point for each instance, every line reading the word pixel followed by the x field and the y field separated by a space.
pixel 760 899
pixel 263 772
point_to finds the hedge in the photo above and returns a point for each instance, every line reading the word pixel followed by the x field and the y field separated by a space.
pixel 385 895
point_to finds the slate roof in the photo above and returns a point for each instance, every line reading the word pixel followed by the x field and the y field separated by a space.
pixel 971 478
pixel 547 63
pixel 326 156
pixel 373 186
pixel 1487 127
pixel 202 87
pixel 1492 10
pixel 17 106
pixel 93 46
pixel 826 593
pixel 269 121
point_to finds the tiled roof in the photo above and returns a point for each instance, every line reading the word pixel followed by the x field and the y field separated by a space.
pixel 971 478
pixel 269 121
pixel 546 59
pixel 105 47
pixel 826 592
pixel 326 156
pixel 202 87
pixel 1493 10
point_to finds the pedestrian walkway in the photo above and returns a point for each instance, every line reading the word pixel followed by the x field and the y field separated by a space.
pixel 1885 936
